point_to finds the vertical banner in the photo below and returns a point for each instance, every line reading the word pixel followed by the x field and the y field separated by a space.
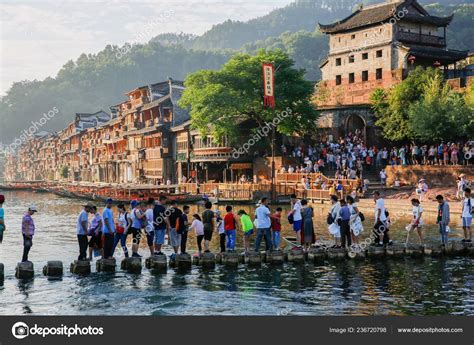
pixel 268 85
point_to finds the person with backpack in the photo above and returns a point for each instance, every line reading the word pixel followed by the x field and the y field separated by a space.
pixel 230 227
pixel 108 229
pixel 209 221
pixel 138 217
pixel 344 219
pixel 176 226
pixel 123 224
pixel 161 223
pixel 95 232
pixel 150 227
pixel 466 214
pixel 247 228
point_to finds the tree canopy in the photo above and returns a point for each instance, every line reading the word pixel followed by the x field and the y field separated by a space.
pixel 219 99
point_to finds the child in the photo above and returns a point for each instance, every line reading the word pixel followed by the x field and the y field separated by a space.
pixel 198 228
pixel 230 226
pixel 417 222
pixel 247 228
pixel 276 228
pixel 2 218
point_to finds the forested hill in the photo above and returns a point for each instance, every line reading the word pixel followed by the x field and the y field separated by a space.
pixel 96 81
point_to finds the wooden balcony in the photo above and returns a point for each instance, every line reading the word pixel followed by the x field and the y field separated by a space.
pixel 417 38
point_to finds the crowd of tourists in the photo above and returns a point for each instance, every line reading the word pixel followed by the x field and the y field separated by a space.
pixel 100 232
pixel 351 153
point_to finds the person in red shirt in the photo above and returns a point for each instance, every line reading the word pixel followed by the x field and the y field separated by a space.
pixel 276 228
pixel 230 227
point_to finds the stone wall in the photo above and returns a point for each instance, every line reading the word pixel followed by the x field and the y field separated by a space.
pixel 436 176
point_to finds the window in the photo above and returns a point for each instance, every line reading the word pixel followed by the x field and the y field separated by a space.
pixel 378 73
pixel 338 61
pixel 351 78
pixel 365 56
pixel 351 58
pixel 339 40
pixel 338 80
pixel 353 37
pixel 378 53
pixel 365 75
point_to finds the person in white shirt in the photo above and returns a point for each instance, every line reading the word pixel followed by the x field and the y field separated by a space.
pixel 297 218
pixel 380 227
pixel 150 228
pixel 291 170
pixel 422 189
pixel 417 222
pixel 466 215
pixel 383 177
pixel 198 228
pixel 333 226
pixel 262 213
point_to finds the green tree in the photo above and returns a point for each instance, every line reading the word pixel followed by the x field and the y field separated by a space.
pixel 392 108
pixel 235 94
pixel 440 114
pixel 64 172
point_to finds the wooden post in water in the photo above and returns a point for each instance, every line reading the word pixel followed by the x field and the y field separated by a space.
pixel 53 269
pixel 24 270
pixel 82 267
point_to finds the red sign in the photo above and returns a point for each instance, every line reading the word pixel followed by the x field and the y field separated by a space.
pixel 268 85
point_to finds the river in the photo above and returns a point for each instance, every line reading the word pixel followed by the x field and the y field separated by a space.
pixel 387 287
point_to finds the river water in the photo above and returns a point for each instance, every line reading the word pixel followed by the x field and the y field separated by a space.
pixel 387 287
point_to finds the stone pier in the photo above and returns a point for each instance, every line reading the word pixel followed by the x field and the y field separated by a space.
pixel 207 260
pixel 183 261
pixel 337 254
pixel 396 251
pixel 132 265
pixel 24 270
pixel 157 263
pixel 375 252
pixel 53 269
pixel 415 251
pixel 81 267
pixel 230 259
pixel 106 265
pixel 253 259
pixel 296 255
pixel 316 254
pixel 275 257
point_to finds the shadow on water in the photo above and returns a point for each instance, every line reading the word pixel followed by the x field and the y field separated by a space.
pixel 24 287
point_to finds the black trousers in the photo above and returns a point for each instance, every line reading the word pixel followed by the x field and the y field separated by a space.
pixel 199 242
pixel 108 245
pixel 381 229
pixel 222 242
pixel 27 244
pixel 345 233
pixel 184 240
pixel 83 244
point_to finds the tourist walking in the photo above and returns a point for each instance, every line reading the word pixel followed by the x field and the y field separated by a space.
pixel 209 221
pixel 230 227
pixel 150 226
pixel 161 224
pixel 344 224
pixel 307 215
pixel 247 228
pixel 276 228
pixel 417 222
pixel 295 214
pixel 220 230
pixel 138 217
pixel 333 221
pixel 355 222
pixel 185 230
pixel 95 232
pixel 123 224
pixel 443 219
pixel 28 231
pixel 198 228
pixel 466 214
pixel 176 225
pixel 264 223
pixel 81 231
pixel 2 218
pixel 421 189
pixel 108 229
pixel 381 229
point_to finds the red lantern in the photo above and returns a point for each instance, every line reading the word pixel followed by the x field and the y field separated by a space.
pixel 437 64
pixel 412 59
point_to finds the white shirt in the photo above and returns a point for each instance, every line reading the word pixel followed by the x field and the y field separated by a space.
pixel 263 216
pixel 380 205
pixel 149 219
pixel 198 227
pixel 417 211
pixel 83 217
pixel 466 212
pixel 297 211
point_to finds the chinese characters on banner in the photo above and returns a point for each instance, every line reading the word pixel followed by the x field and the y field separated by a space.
pixel 268 85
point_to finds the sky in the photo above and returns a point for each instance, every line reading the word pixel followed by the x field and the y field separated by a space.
pixel 37 37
